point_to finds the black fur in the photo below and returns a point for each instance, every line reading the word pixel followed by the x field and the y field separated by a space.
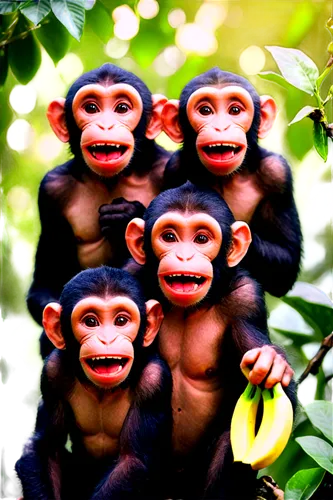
pixel 209 472
pixel 56 257
pixel 275 254
pixel 146 433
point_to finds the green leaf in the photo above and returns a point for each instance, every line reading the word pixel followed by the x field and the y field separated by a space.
pixel 303 484
pixel 100 21
pixel 54 37
pixel 7 7
pixel 296 67
pixel 3 66
pixel 303 113
pixel 6 111
pixel 36 11
pixel 71 14
pixel 320 140
pixel 321 415
pixel 319 450
pixel 313 305
pixel 24 54
pixel 274 77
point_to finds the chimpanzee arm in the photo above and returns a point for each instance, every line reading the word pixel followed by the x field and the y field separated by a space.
pixel 39 468
pixel 56 258
pixel 145 438
pixel 275 253
pixel 249 328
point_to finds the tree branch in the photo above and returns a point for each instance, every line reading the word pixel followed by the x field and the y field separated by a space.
pixel 316 361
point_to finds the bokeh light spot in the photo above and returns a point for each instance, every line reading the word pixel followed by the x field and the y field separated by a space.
pixel 19 199
pixel 70 67
pixel 211 15
pixel 194 38
pixel 252 60
pixel 126 23
pixel 148 9
pixel 23 98
pixel 169 61
pixel 176 18
pixel 116 48
pixel 19 135
pixel 49 147
pixel 313 254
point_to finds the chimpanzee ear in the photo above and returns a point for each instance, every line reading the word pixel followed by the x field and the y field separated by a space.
pixel 170 119
pixel 268 112
pixel 56 116
pixel 134 239
pixel 241 239
pixel 155 125
pixel 154 319
pixel 52 326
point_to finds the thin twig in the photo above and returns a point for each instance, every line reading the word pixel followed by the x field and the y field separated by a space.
pixel 21 36
pixel 316 361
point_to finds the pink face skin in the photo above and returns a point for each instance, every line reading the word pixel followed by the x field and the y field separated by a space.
pixel 221 118
pixel 106 329
pixel 107 117
pixel 185 245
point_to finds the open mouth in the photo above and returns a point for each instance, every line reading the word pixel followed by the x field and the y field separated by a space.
pixel 184 283
pixel 107 152
pixel 107 365
pixel 221 152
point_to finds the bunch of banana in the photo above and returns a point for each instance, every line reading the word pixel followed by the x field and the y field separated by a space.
pixel 264 448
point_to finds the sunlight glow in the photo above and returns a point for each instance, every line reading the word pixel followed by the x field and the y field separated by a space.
pixel 70 67
pixel 49 147
pixel 148 8
pixel 23 98
pixel 126 23
pixel 19 135
pixel 169 61
pixel 19 199
pixel 313 254
pixel 116 48
pixel 252 60
pixel 176 18
pixel 194 38
pixel 211 15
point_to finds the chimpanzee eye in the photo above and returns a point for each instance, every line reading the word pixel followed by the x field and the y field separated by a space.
pixel 201 239
pixel 122 108
pixel 234 110
pixel 91 108
pixel 121 320
pixel 90 321
pixel 205 110
pixel 169 237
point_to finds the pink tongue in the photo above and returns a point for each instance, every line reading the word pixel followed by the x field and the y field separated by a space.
pixel 113 155
pixel 183 287
pixel 226 155
pixel 106 369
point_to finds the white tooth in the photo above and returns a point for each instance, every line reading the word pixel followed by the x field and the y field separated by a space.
pixel 117 145
pixel 195 287
pixel 94 359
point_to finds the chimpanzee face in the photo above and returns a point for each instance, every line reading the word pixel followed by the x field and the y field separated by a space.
pixel 185 245
pixel 107 117
pixel 221 119
pixel 106 330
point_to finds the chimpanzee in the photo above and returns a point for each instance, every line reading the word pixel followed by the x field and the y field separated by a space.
pixel 219 119
pixel 189 247
pixel 104 388
pixel 110 119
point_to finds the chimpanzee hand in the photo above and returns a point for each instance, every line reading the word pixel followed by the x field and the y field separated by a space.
pixel 266 364
pixel 115 216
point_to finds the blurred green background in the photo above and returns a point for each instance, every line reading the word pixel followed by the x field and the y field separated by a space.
pixel 165 43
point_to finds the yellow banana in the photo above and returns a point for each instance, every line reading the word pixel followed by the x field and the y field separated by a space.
pixel 274 430
pixel 242 431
